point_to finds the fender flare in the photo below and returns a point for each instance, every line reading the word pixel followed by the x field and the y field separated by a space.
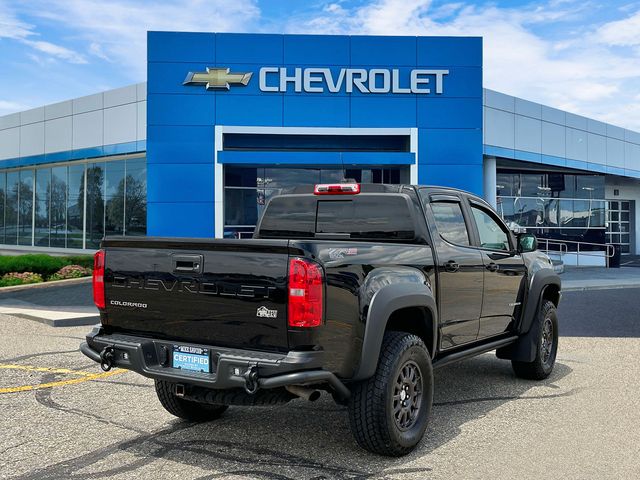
pixel 384 302
pixel 524 349
pixel 541 280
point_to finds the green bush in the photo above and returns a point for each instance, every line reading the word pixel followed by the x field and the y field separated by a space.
pixel 70 271
pixel 40 263
pixel 19 278
pixel 85 261
pixel 10 282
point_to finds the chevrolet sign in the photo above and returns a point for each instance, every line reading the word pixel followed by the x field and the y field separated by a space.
pixel 375 80
pixel 319 80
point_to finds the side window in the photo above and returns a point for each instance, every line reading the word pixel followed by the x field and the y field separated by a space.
pixel 492 234
pixel 450 222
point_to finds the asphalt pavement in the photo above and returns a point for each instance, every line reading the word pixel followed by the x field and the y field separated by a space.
pixel 58 304
pixel 63 418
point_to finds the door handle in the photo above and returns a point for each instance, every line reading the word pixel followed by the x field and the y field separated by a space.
pixel 187 263
pixel 493 267
pixel 451 266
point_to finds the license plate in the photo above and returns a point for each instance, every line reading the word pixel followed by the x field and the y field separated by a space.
pixel 191 358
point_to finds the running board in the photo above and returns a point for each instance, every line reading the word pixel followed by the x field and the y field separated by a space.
pixel 472 352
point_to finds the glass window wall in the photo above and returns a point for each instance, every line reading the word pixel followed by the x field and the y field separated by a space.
pixel 3 194
pixel 135 203
pixel 58 213
pixel 42 233
pixel 248 189
pixel 11 208
pixel 52 199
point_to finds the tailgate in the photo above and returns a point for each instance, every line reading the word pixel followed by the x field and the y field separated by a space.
pixel 217 292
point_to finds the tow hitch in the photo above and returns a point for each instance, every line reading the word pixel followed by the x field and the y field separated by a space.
pixel 107 356
pixel 251 379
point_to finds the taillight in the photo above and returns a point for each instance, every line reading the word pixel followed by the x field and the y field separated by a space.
pixel 337 189
pixel 98 279
pixel 305 293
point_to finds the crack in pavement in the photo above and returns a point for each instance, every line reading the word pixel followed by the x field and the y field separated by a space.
pixel 568 393
pixel 233 453
pixel 41 354
pixel 43 397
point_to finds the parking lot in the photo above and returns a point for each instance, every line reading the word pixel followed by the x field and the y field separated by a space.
pixel 63 418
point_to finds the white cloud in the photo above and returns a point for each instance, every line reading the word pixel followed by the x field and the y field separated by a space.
pixel 11 27
pixel 96 50
pixel 7 106
pixel 576 72
pixel 116 30
pixel 57 51
pixel 625 32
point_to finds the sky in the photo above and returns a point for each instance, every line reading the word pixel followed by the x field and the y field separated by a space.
pixel 579 55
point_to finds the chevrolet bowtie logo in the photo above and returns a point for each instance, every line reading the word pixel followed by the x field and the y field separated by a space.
pixel 217 78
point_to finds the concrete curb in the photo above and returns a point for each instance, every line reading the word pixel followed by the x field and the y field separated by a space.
pixel 577 288
pixel 54 283
pixel 62 322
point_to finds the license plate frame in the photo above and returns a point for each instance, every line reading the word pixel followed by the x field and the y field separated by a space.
pixel 191 359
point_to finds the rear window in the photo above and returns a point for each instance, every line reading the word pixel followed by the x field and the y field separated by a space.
pixel 363 217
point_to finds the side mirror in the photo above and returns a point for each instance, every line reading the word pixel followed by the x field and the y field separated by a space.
pixel 527 242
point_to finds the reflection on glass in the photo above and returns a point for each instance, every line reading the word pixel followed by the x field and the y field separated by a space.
pixel 58 213
pixel 25 207
pixel 289 177
pixel 242 176
pixel 43 207
pixel 116 202
pixel 249 189
pixel 136 197
pixel 115 192
pixel 95 204
pixel 240 206
pixel 11 209
pixel 552 212
pixel 75 206
pixel 331 176
pixel 3 195
pixel 553 184
pixel 450 222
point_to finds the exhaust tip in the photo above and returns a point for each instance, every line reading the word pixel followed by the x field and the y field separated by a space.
pixel 315 395
pixel 309 394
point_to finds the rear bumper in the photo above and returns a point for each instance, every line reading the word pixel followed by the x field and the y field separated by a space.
pixel 229 367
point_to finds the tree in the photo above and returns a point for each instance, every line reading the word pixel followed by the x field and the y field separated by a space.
pixel 132 195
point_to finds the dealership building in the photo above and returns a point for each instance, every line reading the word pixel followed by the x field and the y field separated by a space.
pixel 226 121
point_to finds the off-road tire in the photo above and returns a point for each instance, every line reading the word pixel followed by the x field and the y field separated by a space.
pixel 371 406
pixel 542 366
pixel 185 409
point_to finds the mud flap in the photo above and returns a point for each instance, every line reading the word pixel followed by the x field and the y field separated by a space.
pixel 524 349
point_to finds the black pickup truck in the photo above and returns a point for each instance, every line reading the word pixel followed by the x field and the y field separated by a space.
pixel 357 290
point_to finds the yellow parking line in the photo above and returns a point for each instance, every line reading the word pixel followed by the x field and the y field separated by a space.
pixel 84 377
pixel 10 366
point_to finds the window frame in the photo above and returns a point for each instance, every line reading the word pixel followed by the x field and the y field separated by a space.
pixel 456 200
pixel 470 203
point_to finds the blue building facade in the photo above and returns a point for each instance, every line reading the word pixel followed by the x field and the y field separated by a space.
pixel 306 109
pixel 226 121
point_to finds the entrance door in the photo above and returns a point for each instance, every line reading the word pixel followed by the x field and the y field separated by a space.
pixel 618 224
